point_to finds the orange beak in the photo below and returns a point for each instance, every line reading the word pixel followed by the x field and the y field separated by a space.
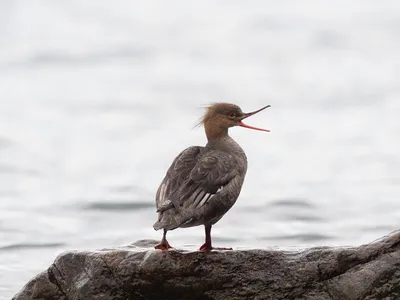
pixel 250 114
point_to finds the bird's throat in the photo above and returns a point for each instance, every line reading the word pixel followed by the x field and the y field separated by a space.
pixel 214 131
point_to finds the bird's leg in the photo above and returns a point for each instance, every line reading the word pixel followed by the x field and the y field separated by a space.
pixel 207 245
pixel 163 245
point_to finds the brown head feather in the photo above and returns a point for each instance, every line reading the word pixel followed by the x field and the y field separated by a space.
pixel 218 117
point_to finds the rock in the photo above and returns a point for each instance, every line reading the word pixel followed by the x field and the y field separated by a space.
pixel 370 271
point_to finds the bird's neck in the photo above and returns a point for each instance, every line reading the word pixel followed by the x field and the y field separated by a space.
pixel 215 132
pixel 218 137
pixel 224 143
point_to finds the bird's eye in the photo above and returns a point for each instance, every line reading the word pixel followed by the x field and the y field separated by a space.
pixel 232 115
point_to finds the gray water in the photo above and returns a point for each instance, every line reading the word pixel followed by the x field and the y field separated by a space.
pixel 97 99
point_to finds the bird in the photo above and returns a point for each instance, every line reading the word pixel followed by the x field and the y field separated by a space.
pixel 203 183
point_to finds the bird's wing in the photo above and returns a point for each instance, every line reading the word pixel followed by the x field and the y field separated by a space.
pixel 177 174
pixel 212 172
pixel 194 186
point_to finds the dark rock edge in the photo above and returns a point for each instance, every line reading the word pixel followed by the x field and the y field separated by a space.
pixel 370 271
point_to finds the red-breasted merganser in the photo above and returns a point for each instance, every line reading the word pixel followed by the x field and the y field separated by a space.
pixel 203 183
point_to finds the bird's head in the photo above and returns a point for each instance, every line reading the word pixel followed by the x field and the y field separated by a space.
pixel 219 117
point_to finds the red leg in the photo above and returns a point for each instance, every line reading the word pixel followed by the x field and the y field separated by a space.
pixel 163 245
pixel 207 245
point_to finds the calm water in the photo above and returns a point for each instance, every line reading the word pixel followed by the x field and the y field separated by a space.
pixel 96 101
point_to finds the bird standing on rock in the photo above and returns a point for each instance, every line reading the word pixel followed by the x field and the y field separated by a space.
pixel 203 183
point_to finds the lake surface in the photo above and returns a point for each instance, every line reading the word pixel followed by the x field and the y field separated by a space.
pixel 97 99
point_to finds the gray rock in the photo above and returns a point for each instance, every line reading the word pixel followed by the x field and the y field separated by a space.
pixel 370 271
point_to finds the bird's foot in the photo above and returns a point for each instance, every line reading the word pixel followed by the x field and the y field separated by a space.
pixel 206 247
pixel 163 245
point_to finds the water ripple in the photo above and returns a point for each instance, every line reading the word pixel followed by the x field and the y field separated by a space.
pixel 293 202
pixel 303 237
pixel 118 206
pixel 10 169
pixel 27 246
pixel 95 57
pixel 299 217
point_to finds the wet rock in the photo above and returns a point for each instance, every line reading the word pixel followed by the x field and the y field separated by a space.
pixel 370 271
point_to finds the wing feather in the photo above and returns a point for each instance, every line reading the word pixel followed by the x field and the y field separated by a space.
pixel 177 173
pixel 192 181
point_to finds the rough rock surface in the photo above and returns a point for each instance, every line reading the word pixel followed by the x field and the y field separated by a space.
pixel 370 271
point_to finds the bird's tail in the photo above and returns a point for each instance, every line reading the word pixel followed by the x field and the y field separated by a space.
pixel 168 222
pixel 158 225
